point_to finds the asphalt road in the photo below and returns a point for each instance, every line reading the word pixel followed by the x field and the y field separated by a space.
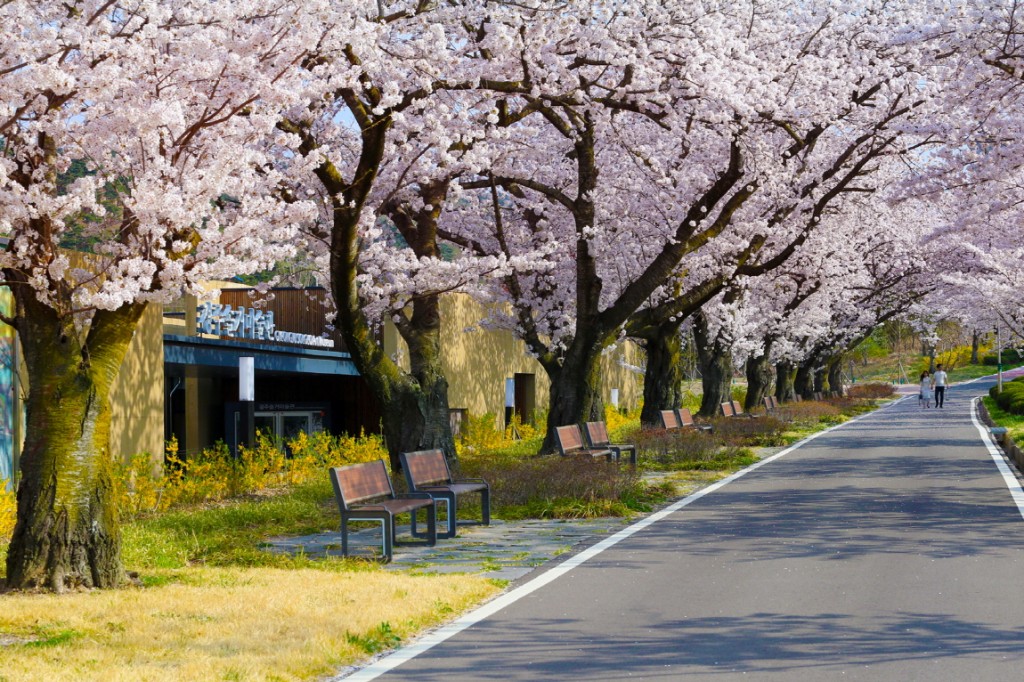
pixel 887 549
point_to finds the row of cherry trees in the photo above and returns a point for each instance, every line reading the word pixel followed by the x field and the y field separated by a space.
pixel 777 174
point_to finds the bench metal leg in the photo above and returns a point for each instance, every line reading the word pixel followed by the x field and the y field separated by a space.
pixel 386 527
pixel 449 505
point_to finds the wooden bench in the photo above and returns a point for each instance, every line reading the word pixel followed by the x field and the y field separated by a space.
pixel 597 437
pixel 670 420
pixel 427 471
pixel 570 442
pixel 731 409
pixel 364 493
pixel 685 418
pixel 769 404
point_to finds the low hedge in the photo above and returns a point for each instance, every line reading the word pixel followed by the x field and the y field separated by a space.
pixel 1012 397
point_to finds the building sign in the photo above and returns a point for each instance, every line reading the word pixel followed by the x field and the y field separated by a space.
pixel 249 323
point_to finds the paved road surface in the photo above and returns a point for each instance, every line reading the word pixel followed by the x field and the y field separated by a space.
pixel 887 549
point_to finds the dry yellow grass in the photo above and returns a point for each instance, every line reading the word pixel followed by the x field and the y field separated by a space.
pixel 224 624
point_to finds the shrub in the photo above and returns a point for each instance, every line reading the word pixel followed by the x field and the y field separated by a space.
pixel 556 487
pixel 669 449
pixel 8 513
pixel 739 431
pixel 215 474
pixel 871 391
pixel 809 412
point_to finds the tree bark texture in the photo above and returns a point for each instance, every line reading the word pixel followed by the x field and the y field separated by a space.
pixel 784 375
pixel 663 380
pixel 820 372
pixel 67 532
pixel 715 363
pixel 975 345
pixel 759 379
pixel 803 382
pixel 835 373
pixel 575 395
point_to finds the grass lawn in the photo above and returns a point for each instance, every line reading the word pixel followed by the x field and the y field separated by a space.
pixel 211 605
pixel 234 623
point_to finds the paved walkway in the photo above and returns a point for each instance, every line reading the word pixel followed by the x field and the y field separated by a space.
pixel 505 550
pixel 881 550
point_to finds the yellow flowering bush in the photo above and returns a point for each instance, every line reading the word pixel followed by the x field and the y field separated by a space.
pixel 215 474
pixel 8 512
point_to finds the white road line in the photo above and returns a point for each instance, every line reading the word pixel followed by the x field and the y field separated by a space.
pixel 435 637
pixel 1008 476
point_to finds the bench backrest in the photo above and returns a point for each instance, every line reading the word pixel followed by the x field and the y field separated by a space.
pixel 818 396
pixel 358 482
pixel 669 419
pixel 597 434
pixel 774 402
pixel 768 403
pixel 569 438
pixel 425 467
pixel 684 416
pixel 737 409
pixel 728 410
pixel 797 398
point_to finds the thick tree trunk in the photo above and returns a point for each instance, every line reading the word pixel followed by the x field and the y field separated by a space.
pixel 414 404
pixel 819 378
pixel 67 532
pixel 784 374
pixel 663 380
pixel 975 345
pixel 715 363
pixel 835 373
pixel 759 380
pixel 575 395
pixel 803 383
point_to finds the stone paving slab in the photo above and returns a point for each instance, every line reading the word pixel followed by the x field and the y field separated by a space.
pixel 505 550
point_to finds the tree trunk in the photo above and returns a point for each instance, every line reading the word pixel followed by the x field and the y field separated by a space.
pixel 715 368
pixel 663 380
pixel 975 345
pixel 575 395
pixel 67 532
pixel 759 379
pixel 819 378
pixel 835 373
pixel 803 383
pixel 784 391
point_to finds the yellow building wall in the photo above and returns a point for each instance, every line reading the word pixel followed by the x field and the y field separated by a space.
pixel 477 362
pixel 137 397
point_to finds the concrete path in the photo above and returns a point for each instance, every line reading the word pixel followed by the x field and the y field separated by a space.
pixel 505 550
pixel 887 549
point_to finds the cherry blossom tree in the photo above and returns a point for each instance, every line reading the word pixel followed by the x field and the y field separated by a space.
pixel 164 105
pixel 686 147
pixel 399 108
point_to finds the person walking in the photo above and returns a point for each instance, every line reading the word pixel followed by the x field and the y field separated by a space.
pixel 925 397
pixel 939 379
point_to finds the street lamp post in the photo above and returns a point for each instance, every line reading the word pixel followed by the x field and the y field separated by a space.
pixel 999 361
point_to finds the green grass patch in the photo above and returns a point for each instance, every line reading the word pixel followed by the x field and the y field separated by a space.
pixel 230 533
